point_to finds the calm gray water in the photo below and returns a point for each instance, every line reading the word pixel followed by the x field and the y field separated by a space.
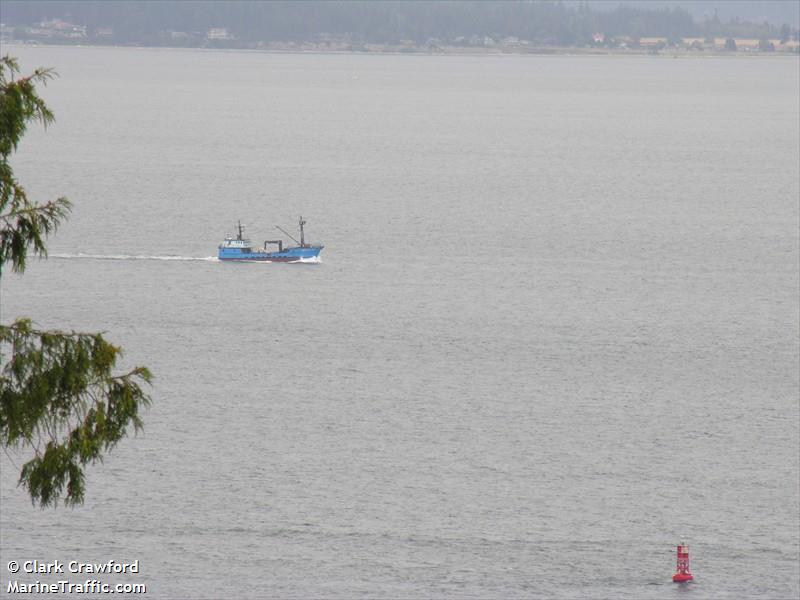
pixel 555 329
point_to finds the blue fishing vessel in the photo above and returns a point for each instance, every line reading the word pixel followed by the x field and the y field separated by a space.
pixel 241 249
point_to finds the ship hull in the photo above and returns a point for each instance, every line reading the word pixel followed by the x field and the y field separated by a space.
pixel 297 254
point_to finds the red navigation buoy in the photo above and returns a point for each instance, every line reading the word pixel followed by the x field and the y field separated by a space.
pixel 683 573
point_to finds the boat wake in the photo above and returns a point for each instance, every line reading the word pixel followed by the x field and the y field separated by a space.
pixel 129 257
pixel 311 260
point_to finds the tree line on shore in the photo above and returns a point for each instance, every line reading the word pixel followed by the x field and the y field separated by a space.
pixel 388 22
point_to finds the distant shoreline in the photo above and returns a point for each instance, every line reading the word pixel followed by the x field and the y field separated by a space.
pixel 375 49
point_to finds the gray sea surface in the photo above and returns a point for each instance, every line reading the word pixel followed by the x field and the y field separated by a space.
pixel 554 332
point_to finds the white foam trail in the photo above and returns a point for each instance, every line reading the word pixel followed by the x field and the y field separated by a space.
pixel 81 255
pixel 313 260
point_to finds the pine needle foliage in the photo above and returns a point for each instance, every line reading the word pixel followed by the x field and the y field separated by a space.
pixel 23 224
pixel 58 394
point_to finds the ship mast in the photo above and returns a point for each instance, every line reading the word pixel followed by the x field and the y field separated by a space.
pixel 302 234
pixel 241 229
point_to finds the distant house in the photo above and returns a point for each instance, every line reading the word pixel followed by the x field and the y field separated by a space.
pixel 334 38
pixel 104 32
pixel 653 42
pixel 598 38
pixel 746 44
pixel 478 40
pixel 66 27
pixel 218 33
pixel 62 29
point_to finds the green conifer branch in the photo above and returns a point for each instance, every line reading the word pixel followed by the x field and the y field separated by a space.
pixel 59 396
